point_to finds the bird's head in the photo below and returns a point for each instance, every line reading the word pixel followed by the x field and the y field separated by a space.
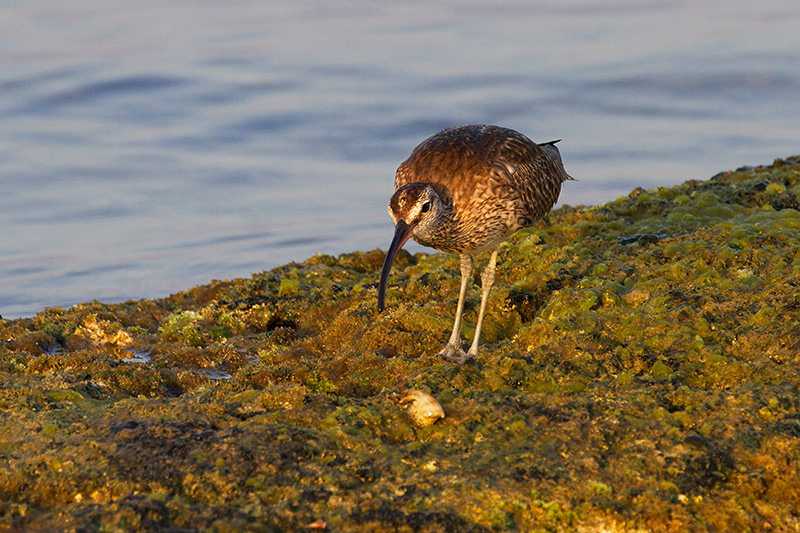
pixel 414 209
pixel 416 204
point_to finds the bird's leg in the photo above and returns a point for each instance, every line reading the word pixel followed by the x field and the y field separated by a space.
pixel 487 280
pixel 453 351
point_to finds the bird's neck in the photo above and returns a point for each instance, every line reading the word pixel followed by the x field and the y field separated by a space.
pixel 441 233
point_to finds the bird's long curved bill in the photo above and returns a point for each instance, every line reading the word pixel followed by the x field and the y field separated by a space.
pixel 402 232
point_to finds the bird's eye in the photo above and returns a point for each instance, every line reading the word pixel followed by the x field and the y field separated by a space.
pixel 426 207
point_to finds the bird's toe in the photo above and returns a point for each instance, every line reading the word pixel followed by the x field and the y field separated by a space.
pixel 453 353
pixel 457 356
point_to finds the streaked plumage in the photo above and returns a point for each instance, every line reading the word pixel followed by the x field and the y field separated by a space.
pixel 465 190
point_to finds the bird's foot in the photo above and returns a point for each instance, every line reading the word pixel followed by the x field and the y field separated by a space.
pixel 456 355
pixel 453 353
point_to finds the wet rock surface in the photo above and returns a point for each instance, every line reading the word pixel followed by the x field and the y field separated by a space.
pixel 639 370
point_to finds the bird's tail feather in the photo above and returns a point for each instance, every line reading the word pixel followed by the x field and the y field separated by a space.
pixel 552 151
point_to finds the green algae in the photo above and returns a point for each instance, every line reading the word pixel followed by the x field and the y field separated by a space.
pixel 639 371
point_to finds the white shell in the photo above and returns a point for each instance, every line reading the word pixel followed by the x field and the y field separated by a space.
pixel 424 410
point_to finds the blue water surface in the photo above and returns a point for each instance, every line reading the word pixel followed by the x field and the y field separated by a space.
pixel 146 147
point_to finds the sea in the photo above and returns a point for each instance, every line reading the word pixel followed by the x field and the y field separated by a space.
pixel 147 147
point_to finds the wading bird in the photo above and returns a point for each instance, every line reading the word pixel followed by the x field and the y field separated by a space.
pixel 465 190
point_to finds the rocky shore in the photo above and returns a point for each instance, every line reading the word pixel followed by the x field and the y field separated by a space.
pixel 639 371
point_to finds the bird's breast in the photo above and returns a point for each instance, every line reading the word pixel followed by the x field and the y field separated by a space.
pixel 469 234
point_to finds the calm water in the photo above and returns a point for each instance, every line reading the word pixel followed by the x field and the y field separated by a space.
pixel 146 147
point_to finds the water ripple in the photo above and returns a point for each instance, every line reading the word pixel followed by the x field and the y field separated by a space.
pixel 92 92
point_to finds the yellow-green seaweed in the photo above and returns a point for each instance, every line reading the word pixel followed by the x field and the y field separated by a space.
pixel 640 372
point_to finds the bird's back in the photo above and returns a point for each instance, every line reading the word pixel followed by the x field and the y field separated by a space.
pixel 495 179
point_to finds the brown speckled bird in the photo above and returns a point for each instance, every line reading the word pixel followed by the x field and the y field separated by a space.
pixel 465 190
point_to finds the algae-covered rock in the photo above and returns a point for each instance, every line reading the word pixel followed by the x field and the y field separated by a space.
pixel 640 371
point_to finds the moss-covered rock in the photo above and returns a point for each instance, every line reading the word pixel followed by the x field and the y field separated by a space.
pixel 639 371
